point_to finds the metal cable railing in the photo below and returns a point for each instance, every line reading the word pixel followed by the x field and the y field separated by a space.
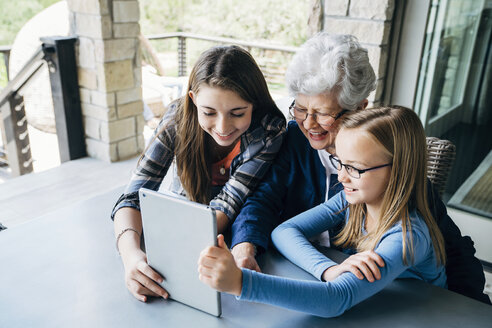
pixel 59 54
pixel 182 46
pixel 17 149
pixel 29 69
pixel 5 51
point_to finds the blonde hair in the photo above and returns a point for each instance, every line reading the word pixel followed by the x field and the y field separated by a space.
pixel 399 131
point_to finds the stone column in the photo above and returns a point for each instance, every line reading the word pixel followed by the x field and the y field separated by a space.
pixel 315 19
pixel 110 76
pixel 370 21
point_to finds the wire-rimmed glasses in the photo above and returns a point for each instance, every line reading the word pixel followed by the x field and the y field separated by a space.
pixel 322 118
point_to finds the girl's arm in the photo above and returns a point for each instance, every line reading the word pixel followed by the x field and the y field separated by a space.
pixel 263 144
pixel 291 237
pixel 151 168
pixel 329 299
pixel 222 221
pixel 141 280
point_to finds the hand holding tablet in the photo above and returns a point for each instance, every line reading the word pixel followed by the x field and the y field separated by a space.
pixel 175 232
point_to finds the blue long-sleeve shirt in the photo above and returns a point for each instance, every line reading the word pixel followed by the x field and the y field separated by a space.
pixel 328 299
pixel 296 182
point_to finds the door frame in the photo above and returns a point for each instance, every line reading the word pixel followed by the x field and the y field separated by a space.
pixel 403 83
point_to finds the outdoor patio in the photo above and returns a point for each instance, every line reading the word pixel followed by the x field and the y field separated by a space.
pixel 114 84
pixel 30 196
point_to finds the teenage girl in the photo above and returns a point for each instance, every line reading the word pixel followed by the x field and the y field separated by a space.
pixel 381 158
pixel 222 136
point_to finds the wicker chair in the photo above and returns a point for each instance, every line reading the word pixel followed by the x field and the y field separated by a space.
pixel 441 155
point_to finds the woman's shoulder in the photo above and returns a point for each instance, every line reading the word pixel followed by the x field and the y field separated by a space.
pixel 272 123
pixel 168 120
pixel 293 128
pixel 294 133
pixel 165 132
pixel 170 114
pixel 268 128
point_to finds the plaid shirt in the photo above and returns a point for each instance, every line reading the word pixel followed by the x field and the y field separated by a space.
pixel 259 146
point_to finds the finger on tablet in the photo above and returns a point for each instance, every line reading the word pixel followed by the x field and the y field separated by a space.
pixel 149 272
pixel 139 291
pixel 152 286
pixel 221 243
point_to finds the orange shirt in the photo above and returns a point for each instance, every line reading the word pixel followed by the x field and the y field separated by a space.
pixel 220 169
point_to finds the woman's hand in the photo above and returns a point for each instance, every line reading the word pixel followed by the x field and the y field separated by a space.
pixel 218 269
pixel 141 280
pixel 244 255
pixel 364 264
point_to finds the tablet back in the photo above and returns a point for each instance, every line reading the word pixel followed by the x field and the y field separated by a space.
pixel 175 232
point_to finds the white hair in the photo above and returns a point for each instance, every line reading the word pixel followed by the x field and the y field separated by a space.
pixel 332 64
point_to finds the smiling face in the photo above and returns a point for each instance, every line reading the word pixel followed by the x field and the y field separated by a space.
pixel 320 137
pixel 357 148
pixel 222 114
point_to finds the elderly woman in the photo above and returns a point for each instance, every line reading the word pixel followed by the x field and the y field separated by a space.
pixel 329 76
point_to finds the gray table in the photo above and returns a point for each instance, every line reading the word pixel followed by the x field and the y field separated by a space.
pixel 62 270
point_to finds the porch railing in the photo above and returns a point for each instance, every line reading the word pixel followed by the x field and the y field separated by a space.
pixel 59 54
pixel 182 45
pixel 5 51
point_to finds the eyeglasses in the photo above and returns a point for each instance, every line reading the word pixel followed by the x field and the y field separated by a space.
pixel 352 171
pixel 322 118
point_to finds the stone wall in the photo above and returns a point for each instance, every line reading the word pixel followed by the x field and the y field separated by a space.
pixel 370 21
pixel 110 77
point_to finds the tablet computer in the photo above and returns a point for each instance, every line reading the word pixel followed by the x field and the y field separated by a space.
pixel 175 231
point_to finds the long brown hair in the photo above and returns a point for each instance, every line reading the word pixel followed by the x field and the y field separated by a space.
pixel 401 134
pixel 230 68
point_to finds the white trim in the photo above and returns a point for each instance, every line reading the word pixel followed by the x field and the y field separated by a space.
pixel 410 52
pixel 478 228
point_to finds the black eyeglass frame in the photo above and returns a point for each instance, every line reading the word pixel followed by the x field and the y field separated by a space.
pixel 316 115
pixel 338 163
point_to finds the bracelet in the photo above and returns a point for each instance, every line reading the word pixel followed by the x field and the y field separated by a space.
pixel 121 234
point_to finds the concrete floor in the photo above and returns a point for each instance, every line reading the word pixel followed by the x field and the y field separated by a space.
pixel 52 185
pixel 27 197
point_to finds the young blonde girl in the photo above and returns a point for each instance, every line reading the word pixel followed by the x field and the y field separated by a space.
pixel 222 136
pixel 381 158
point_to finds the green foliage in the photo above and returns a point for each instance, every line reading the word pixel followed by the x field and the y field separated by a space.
pixel 282 22
pixel 14 14
pixel 160 16
pixel 275 21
